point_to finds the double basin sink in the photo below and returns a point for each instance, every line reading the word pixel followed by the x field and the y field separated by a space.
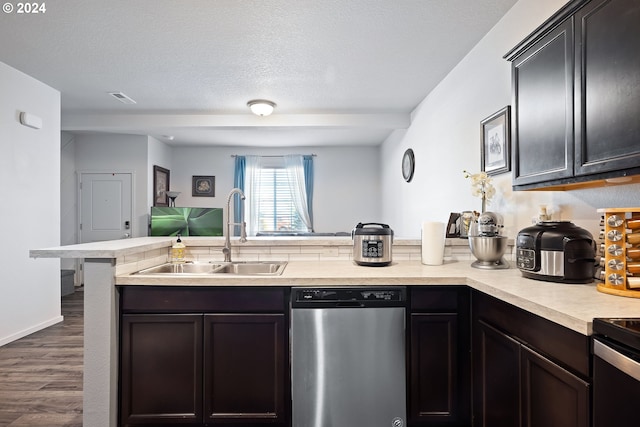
pixel 245 268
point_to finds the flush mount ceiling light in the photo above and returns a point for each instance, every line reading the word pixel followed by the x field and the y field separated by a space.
pixel 261 107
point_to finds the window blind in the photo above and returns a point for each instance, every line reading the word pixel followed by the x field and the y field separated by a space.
pixel 276 209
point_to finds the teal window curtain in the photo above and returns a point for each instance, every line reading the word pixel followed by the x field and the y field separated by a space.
pixel 307 164
pixel 238 182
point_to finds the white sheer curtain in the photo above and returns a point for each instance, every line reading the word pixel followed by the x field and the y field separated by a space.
pixel 295 170
pixel 252 187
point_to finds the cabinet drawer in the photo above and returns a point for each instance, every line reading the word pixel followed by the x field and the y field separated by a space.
pixel 175 299
pixel 436 299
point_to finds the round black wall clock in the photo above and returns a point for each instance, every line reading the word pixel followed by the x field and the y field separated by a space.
pixel 408 165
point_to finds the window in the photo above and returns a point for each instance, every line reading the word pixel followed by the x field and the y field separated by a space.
pixel 276 206
pixel 279 193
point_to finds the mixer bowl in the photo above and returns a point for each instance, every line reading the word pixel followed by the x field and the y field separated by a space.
pixel 488 251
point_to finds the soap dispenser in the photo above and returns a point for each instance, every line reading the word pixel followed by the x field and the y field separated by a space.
pixel 177 251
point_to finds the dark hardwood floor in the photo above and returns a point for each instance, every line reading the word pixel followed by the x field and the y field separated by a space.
pixel 41 374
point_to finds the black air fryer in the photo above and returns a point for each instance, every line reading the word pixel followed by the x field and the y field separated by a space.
pixel 556 251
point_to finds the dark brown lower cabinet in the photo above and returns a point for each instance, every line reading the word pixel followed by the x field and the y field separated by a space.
pixel 514 383
pixel 439 367
pixel 161 369
pixel 244 368
pixel 497 381
pixel 551 395
pixel 204 368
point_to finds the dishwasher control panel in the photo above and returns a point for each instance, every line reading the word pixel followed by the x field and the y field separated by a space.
pixel 349 297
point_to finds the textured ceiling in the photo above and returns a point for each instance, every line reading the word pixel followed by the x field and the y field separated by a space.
pixel 341 71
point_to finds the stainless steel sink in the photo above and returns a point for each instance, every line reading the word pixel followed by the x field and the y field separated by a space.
pixel 187 268
pixel 250 268
pixel 246 268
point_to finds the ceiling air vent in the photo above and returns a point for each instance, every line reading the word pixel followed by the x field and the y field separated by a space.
pixel 122 97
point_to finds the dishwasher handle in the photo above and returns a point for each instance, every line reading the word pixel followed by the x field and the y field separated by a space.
pixel 349 304
pixel 617 359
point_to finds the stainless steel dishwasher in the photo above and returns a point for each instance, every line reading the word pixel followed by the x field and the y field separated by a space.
pixel 348 357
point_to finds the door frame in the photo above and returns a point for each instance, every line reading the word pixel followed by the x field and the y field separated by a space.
pixel 79 174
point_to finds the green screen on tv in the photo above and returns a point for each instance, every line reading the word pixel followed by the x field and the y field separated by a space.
pixel 169 221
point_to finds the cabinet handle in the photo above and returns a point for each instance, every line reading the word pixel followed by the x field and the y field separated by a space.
pixel 616 359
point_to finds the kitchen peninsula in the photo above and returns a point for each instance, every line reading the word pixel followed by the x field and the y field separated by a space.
pixel 311 262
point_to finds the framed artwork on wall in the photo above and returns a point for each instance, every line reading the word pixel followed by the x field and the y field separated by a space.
pixel 495 145
pixel 203 186
pixel 160 186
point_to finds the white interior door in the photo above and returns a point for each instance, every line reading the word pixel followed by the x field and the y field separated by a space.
pixel 105 206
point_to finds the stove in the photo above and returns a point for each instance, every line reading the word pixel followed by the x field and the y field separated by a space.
pixel 616 371
pixel 622 331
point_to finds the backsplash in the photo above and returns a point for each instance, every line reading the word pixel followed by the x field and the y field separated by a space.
pixel 283 250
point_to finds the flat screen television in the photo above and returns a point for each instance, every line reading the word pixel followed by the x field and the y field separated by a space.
pixel 170 221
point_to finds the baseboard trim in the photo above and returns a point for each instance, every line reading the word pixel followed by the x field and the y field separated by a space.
pixel 31 330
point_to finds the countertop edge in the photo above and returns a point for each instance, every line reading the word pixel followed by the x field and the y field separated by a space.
pixel 572 306
pixel 106 249
pixel 559 317
pixel 581 324
pixel 123 247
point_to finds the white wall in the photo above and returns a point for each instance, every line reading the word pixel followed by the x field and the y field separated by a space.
pixel 68 199
pixel 159 154
pixel 445 136
pixel 30 171
pixel 346 189
pixel 122 154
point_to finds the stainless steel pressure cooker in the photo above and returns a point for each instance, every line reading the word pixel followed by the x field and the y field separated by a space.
pixel 372 243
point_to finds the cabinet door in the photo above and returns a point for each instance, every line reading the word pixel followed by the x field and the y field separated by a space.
pixel 543 113
pixel 161 369
pixel 439 375
pixel 607 82
pixel 496 374
pixel 551 395
pixel 434 369
pixel 246 380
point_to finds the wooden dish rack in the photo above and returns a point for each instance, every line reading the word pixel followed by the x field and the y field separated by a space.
pixel 620 252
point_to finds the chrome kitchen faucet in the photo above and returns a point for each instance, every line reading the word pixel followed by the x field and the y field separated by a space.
pixel 243 225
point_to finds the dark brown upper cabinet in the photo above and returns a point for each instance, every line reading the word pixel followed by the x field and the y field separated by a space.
pixel 543 113
pixel 608 81
pixel 576 97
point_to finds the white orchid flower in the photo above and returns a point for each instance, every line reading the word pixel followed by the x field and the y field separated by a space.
pixel 481 186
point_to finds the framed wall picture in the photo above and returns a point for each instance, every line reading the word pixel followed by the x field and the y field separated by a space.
pixel 203 186
pixel 160 186
pixel 495 147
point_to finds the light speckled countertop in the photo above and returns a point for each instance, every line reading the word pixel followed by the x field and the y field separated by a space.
pixel 123 247
pixel 573 306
